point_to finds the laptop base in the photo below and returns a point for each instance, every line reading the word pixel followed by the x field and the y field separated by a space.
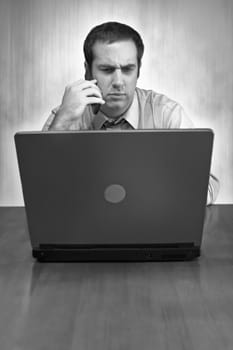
pixel 51 253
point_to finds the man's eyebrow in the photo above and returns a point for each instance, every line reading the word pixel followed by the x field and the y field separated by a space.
pixel 106 65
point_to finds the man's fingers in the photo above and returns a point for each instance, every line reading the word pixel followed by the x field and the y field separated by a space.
pixel 87 85
pixel 81 81
pixel 84 89
pixel 92 100
pixel 92 92
pixel 82 84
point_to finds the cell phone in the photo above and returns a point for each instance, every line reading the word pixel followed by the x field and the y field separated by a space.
pixel 95 107
pixel 88 76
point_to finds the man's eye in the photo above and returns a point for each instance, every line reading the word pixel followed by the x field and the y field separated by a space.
pixel 127 69
pixel 108 70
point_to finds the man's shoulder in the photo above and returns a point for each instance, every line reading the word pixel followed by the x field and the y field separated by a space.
pixel 154 98
pixel 161 111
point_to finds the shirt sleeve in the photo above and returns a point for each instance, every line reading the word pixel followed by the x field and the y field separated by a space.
pixel 50 119
pixel 185 121
pixel 213 189
pixel 83 123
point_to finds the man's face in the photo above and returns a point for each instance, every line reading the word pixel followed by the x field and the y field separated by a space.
pixel 115 68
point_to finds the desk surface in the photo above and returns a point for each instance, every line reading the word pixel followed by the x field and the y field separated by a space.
pixel 180 305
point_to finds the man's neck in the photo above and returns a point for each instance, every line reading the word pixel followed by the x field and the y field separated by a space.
pixel 114 115
pixel 131 115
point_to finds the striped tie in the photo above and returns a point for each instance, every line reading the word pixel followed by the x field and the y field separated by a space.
pixel 121 124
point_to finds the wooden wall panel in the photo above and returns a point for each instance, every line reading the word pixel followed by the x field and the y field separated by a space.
pixel 189 50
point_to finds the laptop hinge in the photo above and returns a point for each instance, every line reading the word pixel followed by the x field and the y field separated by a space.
pixel 156 252
pixel 118 246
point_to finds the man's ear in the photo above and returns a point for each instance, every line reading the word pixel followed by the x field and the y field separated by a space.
pixel 88 75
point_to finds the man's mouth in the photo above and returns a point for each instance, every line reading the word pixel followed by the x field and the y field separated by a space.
pixel 116 94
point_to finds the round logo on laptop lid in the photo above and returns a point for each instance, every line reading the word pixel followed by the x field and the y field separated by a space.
pixel 114 193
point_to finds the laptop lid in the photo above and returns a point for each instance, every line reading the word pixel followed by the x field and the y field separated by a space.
pixel 140 187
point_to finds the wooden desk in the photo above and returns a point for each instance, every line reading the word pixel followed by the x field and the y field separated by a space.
pixel 85 306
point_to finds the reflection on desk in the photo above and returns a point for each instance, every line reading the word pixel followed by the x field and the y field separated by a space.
pixel 173 305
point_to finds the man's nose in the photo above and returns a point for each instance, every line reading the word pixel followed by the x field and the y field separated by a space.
pixel 117 81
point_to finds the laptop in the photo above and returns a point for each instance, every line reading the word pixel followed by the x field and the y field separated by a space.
pixel 137 195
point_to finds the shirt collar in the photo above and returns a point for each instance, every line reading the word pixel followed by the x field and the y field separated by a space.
pixel 131 115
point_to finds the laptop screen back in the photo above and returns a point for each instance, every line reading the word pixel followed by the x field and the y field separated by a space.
pixel 129 187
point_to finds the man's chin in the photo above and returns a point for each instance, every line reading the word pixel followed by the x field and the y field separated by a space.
pixel 113 110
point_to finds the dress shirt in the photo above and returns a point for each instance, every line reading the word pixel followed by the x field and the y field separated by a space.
pixel 149 110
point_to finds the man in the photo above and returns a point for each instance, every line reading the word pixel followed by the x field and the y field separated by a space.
pixel 108 97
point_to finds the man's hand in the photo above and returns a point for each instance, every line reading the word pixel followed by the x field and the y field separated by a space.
pixel 75 99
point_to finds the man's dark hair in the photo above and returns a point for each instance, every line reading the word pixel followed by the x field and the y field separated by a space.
pixel 111 32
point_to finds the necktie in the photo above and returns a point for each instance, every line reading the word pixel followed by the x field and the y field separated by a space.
pixel 115 124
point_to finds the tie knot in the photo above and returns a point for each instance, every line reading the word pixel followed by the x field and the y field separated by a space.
pixel 112 123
